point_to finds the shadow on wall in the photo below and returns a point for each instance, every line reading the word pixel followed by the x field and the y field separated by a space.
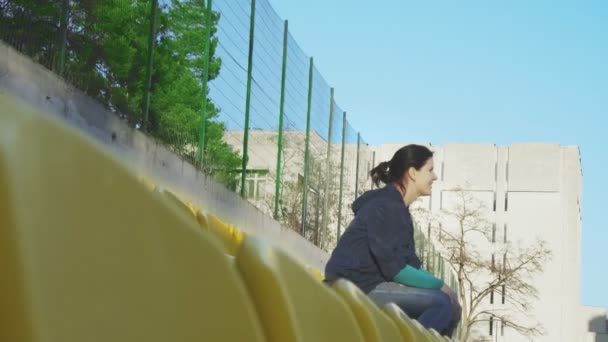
pixel 599 326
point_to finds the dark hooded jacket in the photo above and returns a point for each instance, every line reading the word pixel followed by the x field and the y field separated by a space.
pixel 377 244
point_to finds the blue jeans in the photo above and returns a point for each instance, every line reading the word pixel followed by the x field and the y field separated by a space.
pixel 432 308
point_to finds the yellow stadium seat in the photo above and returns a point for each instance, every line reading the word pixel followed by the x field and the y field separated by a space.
pixel 228 234
pixel 292 304
pixel 191 207
pixel 437 337
pixel 375 324
pixel 202 220
pixel 237 235
pixel 409 328
pixel 148 183
pixel 426 332
pixel 87 253
pixel 177 202
pixel 315 273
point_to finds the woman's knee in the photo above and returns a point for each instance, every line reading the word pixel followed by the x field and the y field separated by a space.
pixel 439 313
pixel 444 304
pixel 442 299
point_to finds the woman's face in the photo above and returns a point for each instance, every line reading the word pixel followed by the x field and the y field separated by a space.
pixel 422 180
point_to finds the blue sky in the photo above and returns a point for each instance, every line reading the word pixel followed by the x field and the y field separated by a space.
pixel 473 71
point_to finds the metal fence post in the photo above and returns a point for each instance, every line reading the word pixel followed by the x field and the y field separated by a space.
pixel 153 10
pixel 307 148
pixel 277 190
pixel 63 34
pixel 357 167
pixel 203 125
pixel 341 175
pixel 328 178
pixel 248 99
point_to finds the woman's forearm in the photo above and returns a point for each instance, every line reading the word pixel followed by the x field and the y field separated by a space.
pixel 413 277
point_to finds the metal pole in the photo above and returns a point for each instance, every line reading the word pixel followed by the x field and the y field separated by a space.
pixel 423 255
pixel 203 126
pixel 357 167
pixel 434 258
pixel 307 148
pixel 149 66
pixel 341 174
pixel 63 37
pixel 318 210
pixel 373 165
pixel 328 177
pixel 277 190
pixel 248 99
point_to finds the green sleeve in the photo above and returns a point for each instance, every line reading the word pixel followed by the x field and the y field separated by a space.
pixel 413 277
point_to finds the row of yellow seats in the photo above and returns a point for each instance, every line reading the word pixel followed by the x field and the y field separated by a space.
pixel 88 254
pixel 366 312
pixel 230 236
pixel 293 306
pixel 376 325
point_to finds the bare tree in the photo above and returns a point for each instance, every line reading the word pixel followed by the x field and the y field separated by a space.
pixel 323 192
pixel 506 277
pixel 323 212
pixel 291 188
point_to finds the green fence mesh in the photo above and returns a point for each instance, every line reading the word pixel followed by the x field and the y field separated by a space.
pixel 244 103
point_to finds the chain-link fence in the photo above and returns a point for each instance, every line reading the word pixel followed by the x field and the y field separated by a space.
pixel 223 84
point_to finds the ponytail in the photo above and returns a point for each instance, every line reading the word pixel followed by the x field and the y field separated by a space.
pixel 380 173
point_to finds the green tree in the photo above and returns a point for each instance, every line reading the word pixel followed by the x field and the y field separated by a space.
pixel 177 95
pixel 32 28
pixel 107 56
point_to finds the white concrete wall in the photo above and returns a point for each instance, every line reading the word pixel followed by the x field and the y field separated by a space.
pixel 530 216
pixel 470 167
pixel 534 167
pixel 39 87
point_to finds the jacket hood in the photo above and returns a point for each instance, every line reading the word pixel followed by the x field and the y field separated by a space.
pixel 389 192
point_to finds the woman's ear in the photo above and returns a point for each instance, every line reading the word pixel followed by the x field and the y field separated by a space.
pixel 411 174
